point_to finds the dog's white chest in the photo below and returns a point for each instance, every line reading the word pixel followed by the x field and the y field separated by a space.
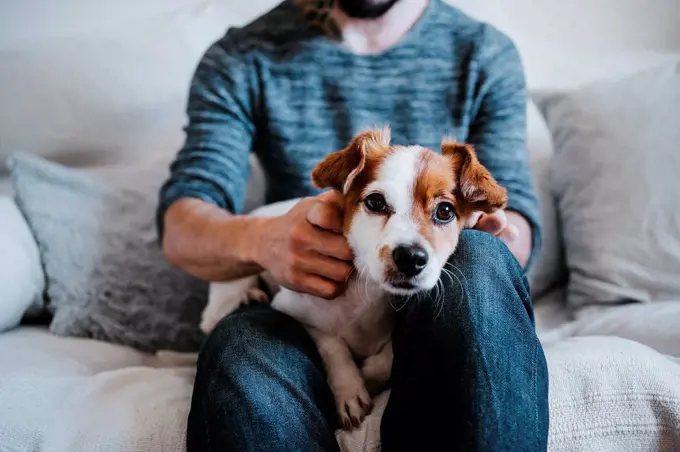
pixel 362 317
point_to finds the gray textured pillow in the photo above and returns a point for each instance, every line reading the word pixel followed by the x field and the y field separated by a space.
pixel 615 173
pixel 106 276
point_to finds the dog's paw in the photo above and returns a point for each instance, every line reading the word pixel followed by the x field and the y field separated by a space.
pixel 256 296
pixel 353 406
pixel 209 321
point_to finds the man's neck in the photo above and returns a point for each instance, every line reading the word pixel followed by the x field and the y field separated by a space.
pixel 371 36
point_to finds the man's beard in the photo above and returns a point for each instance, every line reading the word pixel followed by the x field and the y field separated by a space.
pixel 365 9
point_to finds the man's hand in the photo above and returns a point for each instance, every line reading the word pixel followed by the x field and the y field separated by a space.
pixel 512 228
pixel 305 250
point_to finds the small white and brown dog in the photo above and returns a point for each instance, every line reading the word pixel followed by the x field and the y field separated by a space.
pixel 404 209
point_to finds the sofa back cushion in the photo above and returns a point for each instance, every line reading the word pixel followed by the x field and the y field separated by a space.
pixel 89 82
pixel 617 156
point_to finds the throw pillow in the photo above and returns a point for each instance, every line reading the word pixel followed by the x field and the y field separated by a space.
pixel 548 270
pixel 21 278
pixel 615 173
pixel 106 277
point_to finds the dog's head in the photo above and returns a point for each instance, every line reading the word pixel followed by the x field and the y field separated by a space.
pixel 406 205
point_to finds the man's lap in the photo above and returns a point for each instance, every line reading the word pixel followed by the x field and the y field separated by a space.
pixel 263 368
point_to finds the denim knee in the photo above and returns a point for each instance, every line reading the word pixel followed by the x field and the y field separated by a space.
pixel 226 342
pixel 260 381
pixel 485 263
pixel 245 342
pixel 481 284
pixel 481 254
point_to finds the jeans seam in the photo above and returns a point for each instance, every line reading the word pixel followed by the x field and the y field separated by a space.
pixel 538 434
pixel 205 423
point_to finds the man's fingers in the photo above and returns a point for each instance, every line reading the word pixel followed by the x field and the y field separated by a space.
pixel 326 216
pixel 329 268
pixel 509 235
pixel 492 223
pixel 332 197
pixel 331 244
pixel 320 287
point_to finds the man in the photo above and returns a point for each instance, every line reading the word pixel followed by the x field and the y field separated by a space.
pixel 295 85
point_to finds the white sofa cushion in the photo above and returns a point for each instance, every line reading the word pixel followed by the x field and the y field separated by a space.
pixel 88 82
pixel 78 395
pixel 615 168
pixel 549 269
pixel 654 325
pixel 21 277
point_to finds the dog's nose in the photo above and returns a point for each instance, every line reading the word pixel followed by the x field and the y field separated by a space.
pixel 410 260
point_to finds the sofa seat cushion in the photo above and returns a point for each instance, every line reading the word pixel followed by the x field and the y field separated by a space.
pixel 79 395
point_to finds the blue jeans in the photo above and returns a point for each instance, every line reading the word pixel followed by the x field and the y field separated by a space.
pixel 468 375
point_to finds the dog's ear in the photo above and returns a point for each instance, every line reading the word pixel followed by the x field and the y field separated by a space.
pixel 475 186
pixel 339 169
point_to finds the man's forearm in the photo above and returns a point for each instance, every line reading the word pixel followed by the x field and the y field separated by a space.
pixel 209 242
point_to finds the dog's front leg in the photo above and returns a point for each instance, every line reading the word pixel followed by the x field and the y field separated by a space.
pixel 352 400
pixel 377 369
pixel 225 297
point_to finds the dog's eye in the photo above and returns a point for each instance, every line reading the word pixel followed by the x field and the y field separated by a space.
pixel 375 202
pixel 444 213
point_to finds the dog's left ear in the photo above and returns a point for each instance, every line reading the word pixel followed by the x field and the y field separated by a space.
pixel 475 186
pixel 339 169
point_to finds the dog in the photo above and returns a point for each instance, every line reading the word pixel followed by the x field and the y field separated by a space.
pixel 404 209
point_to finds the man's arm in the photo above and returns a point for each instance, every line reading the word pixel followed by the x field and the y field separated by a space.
pixel 209 175
pixel 210 242
pixel 498 132
pixel 199 221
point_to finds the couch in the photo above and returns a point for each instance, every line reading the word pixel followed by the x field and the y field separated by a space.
pixel 92 84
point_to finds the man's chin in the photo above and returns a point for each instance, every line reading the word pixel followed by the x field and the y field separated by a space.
pixel 365 9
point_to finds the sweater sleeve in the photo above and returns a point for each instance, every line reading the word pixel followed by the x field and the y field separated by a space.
pixel 213 163
pixel 498 126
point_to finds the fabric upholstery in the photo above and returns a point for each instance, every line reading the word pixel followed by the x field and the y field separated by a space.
pixel 92 82
pixel 549 268
pixel 615 177
pixel 106 275
pixel 21 277
pixel 605 394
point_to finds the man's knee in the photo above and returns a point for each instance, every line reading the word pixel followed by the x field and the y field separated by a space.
pixel 482 284
pixel 480 255
pixel 239 342
pixel 230 335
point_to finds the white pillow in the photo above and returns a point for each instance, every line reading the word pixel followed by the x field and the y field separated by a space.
pixel 90 82
pixel 548 269
pixel 21 277
pixel 615 172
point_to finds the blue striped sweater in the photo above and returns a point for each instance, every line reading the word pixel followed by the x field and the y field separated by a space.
pixel 280 88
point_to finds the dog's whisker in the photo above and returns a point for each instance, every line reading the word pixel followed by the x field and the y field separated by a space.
pixel 448 273
pixel 437 294
pixel 397 309
pixel 462 275
pixel 366 289
pixel 462 286
pixel 441 298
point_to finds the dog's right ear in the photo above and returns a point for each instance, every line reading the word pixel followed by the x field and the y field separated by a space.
pixel 339 169
pixel 475 186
